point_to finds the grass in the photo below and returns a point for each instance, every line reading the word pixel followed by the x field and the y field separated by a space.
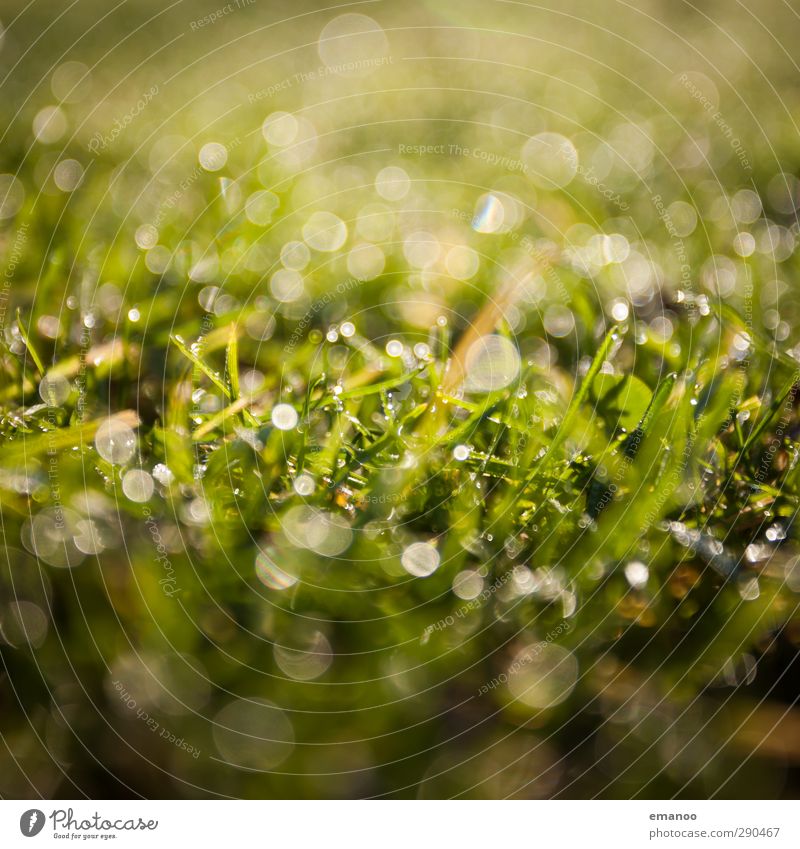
pixel 374 493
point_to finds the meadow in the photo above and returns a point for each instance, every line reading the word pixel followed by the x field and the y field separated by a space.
pixel 399 400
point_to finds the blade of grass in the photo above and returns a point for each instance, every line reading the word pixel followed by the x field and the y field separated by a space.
pixel 241 404
pixel 634 439
pixel 371 389
pixel 206 369
pixel 31 348
pixel 232 361
pixel 776 404
pixel 578 398
pixel 24 447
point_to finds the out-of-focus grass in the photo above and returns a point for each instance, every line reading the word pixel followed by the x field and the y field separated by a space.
pixel 225 591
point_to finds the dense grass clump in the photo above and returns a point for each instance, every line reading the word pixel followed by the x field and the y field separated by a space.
pixel 332 465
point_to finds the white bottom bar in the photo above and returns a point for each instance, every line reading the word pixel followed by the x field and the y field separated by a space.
pixel 401 824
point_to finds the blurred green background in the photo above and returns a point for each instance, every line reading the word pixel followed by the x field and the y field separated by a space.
pixel 328 181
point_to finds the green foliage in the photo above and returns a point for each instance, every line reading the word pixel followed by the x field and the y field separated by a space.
pixel 316 494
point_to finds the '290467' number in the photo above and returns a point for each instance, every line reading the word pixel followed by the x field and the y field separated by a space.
pixel 757 832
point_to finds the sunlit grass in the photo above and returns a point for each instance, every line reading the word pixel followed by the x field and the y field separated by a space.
pixel 368 441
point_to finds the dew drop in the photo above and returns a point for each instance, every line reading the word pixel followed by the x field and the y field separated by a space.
pixel 304 485
pixel 284 417
pixel 542 675
pixel 492 363
pixel 137 485
pixel 54 389
pixel 115 441
pixel 461 452
pixel 420 559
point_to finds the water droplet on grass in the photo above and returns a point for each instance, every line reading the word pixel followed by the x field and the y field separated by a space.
pixel 308 662
pixel 260 207
pixel 49 124
pixel 270 574
pixel 137 485
pixel 422 350
pixel 392 183
pixel 12 196
pixel 420 559
pixel 284 417
pixel 295 255
pixel 492 363
pixel 115 441
pixel 304 485
pixel 542 675
pixel 551 160
pixel 366 262
pixel 325 533
pixel 70 82
pixel 353 45
pixel 467 585
pixel 54 389
pixel 462 262
pixel 68 175
pixel 489 215
pixel 286 285
pixel 163 474
pixel 213 156
pixel 421 249
pixel 558 321
pixel 280 128
pixel 461 452
pixel 325 232
pixel 49 535
pixel 253 734
pixel 749 589
pixel 619 309
pixel 637 574
pixel 23 622
pixel 146 237
pixel 87 537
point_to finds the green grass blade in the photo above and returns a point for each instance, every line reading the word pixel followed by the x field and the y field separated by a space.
pixel 206 369
pixel 31 348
